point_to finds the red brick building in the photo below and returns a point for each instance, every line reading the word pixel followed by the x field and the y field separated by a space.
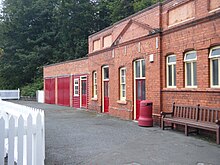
pixel 169 52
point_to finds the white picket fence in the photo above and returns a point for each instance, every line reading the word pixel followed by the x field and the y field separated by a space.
pixel 10 94
pixel 22 137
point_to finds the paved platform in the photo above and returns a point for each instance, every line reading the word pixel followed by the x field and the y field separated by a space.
pixel 86 138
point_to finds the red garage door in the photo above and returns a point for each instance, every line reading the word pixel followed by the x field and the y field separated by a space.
pixel 50 91
pixel 64 91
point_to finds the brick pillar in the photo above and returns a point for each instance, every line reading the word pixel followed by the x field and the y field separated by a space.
pixel 180 70
pixel 203 70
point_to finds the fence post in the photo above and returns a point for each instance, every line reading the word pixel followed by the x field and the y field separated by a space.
pixel 39 144
pixel 20 140
pixel 2 140
pixel 11 144
pixel 29 140
pixel 18 94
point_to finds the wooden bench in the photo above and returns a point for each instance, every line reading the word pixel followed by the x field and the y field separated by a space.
pixel 194 117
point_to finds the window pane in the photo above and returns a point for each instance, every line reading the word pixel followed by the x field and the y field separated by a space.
pixel 191 56
pixel 215 73
pixel 106 89
pixel 122 72
pixel 170 75
pixel 84 87
pixel 123 93
pixel 123 86
pixel 188 74
pixel 139 90
pixel 174 75
pixel 137 68
pixel 106 73
pixel 215 52
pixel 143 68
pixel 194 74
pixel 171 59
pixel 143 90
pixel 122 80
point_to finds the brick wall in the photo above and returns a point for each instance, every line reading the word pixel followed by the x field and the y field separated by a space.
pixel 133 39
pixel 199 34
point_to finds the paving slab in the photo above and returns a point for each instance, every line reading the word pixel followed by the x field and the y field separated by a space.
pixel 80 137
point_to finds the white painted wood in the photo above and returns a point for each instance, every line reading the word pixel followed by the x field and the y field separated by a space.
pixel 39 149
pixel 40 96
pixel 10 94
pixel 21 133
pixel 2 140
pixel 11 136
pixel 29 140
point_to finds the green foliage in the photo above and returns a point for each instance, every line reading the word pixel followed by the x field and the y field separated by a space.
pixel 30 89
pixel 34 33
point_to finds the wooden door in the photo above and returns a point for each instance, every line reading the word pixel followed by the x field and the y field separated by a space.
pixel 84 93
pixel 106 96
pixel 140 95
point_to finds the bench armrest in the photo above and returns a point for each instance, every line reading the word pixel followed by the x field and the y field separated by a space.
pixel 217 122
pixel 163 114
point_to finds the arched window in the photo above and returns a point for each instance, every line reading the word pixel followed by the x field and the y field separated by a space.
pixel 190 69
pixel 171 71
pixel 215 66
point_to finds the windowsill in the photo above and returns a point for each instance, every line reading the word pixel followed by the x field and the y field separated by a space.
pixel 121 102
pixel 94 99
pixel 211 89
pixel 214 10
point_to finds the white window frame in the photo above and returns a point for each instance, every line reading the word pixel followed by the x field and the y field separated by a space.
pixel 95 84
pixel 103 75
pixel 76 84
pixel 217 57
pixel 170 64
pixel 190 61
pixel 122 98
pixel 141 74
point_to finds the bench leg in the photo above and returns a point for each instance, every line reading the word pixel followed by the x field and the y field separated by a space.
pixel 162 124
pixel 172 125
pixel 186 129
pixel 218 135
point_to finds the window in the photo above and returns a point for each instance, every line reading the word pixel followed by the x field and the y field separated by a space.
pixel 123 84
pixel 94 84
pixel 140 68
pixel 171 71
pixel 107 41
pixel 215 66
pixel 96 45
pixel 190 69
pixel 106 73
pixel 76 87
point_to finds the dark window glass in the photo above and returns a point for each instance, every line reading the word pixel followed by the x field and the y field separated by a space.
pixel 170 75
pixel 194 74
pixel 143 97
pixel 106 73
pixel 215 71
pixel 215 52
pixel 143 68
pixel 174 76
pixel 188 71
pixel 137 65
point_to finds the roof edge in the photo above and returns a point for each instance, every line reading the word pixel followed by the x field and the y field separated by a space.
pixel 127 18
pixel 64 62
